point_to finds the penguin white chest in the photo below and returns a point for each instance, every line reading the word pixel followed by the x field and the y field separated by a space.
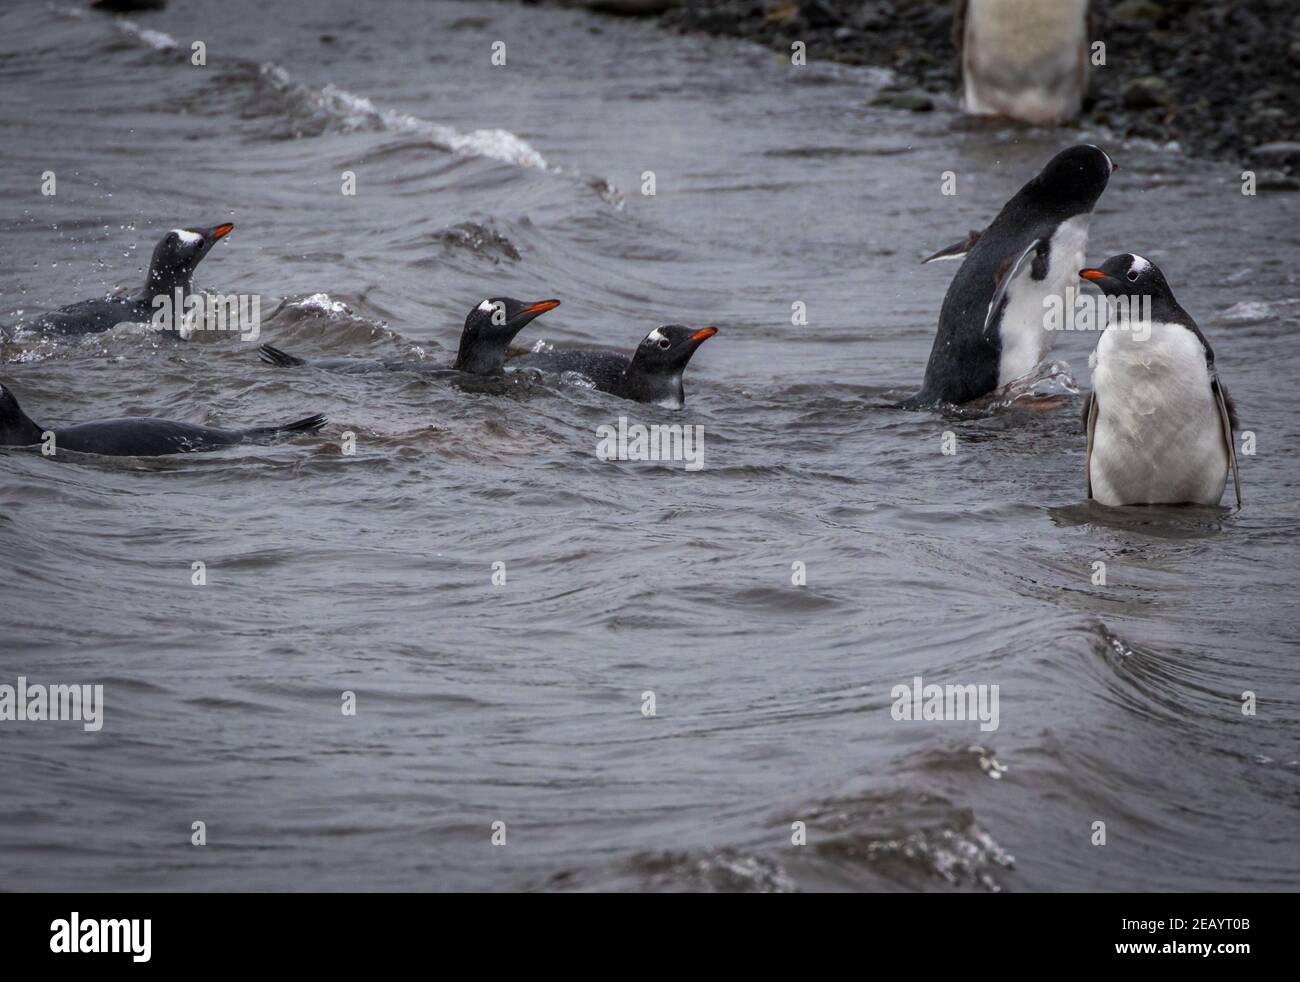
pixel 1158 438
pixel 1024 334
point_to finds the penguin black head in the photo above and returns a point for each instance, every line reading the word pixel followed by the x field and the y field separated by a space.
pixel 1075 178
pixel 176 255
pixel 489 329
pixel 16 429
pixel 655 374
pixel 1129 275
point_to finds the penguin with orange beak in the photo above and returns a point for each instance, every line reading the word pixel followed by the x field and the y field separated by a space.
pixel 653 374
pixel 170 270
pixel 1160 423
pixel 485 340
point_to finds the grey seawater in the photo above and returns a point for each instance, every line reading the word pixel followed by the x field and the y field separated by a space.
pixel 521 703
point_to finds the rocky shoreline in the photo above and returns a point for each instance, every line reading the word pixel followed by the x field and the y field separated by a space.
pixel 1219 77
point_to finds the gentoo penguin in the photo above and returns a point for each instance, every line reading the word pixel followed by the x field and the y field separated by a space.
pixel 484 341
pixel 1026 59
pixel 653 373
pixel 135 436
pixel 1160 424
pixel 170 269
pixel 991 325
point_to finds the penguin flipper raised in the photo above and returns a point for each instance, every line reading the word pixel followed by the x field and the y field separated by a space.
pixel 1226 420
pixel 1090 424
pixel 1008 273
pixel 957 250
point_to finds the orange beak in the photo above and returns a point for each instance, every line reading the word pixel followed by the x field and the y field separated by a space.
pixel 1091 274
pixel 221 231
pixel 704 334
pixel 541 307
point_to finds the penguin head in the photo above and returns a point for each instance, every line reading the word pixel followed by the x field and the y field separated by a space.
pixel 667 349
pixel 489 329
pixel 1128 275
pixel 178 252
pixel 655 374
pixel 1076 177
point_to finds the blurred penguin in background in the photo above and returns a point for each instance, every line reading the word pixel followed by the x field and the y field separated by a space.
pixel 1025 59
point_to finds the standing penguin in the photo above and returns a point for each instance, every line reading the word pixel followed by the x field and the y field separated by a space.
pixel 991 325
pixel 1160 424
pixel 1026 59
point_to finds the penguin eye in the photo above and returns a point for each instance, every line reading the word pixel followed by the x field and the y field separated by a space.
pixel 665 343
pixel 1132 275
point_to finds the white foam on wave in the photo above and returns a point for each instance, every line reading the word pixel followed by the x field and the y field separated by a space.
pixel 154 39
pixel 354 112
pixel 322 302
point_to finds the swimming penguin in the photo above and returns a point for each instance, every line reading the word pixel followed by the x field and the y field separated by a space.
pixel 1026 59
pixel 991 325
pixel 484 341
pixel 1160 423
pixel 652 374
pixel 135 436
pixel 170 269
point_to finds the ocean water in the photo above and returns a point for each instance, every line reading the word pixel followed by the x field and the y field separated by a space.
pixel 521 702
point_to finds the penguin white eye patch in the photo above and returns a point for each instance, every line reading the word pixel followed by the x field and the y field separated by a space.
pixel 189 238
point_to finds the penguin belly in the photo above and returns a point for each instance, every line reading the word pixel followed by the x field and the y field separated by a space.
pixel 1026 59
pixel 1023 328
pixel 1158 437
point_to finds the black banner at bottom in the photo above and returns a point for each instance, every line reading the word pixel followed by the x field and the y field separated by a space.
pixel 335 931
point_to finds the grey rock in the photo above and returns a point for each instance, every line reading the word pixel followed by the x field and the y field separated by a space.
pixel 913 99
pixel 1276 180
pixel 1281 152
pixel 1136 13
pixel 1146 92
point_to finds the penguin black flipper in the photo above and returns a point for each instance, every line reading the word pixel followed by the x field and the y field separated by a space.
pixel 1089 425
pixel 957 250
pixel 1228 420
pixel 1034 259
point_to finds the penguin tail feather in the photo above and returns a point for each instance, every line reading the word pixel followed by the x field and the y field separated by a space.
pixel 281 359
pixel 311 424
